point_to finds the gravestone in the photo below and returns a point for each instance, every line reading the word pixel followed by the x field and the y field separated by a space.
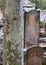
pixel 31 28
pixel 34 56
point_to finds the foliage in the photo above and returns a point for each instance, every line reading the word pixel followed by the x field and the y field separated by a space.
pixel 40 3
pixel 1 1
pixel 41 23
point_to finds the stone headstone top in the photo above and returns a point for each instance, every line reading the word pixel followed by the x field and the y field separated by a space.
pixel 34 56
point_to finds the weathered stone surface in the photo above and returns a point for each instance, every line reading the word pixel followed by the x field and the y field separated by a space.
pixel 34 56
pixel 31 28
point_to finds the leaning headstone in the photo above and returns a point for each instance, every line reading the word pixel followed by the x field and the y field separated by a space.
pixel 34 56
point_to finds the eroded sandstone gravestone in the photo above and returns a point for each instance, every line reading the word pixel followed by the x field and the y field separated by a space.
pixel 34 56
pixel 31 28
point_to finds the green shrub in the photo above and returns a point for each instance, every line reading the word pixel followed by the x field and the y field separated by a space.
pixel 41 23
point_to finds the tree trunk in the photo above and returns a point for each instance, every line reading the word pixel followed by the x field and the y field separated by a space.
pixel 14 32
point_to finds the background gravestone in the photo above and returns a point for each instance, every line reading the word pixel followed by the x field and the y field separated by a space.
pixel 34 56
